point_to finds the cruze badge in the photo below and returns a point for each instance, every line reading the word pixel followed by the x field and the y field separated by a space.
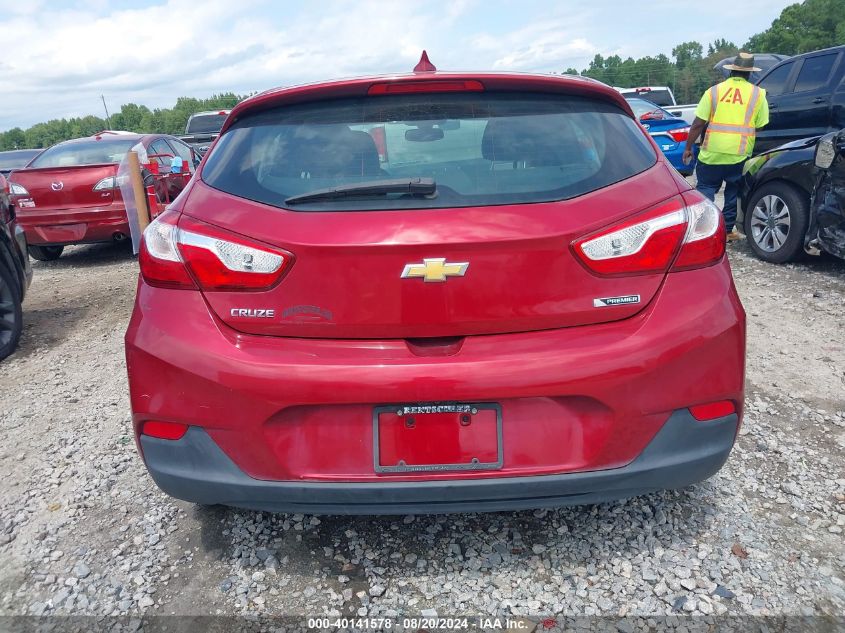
pixel 436 269
pixel 253 313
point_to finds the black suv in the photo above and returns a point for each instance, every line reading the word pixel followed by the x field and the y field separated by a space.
pixel 15 274
pixel 806 95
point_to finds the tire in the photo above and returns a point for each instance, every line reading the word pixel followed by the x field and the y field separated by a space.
pixel 776 221
pixel 11 316
pixel 45 253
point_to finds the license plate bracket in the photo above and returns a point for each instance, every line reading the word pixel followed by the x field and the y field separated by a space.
pixel 437 437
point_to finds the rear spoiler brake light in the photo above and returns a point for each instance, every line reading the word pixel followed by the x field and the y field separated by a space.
pixel 406 87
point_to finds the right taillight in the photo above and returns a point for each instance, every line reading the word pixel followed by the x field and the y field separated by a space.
pixel 186 253
pixel 704 243
pixel 680 135
pixel 687 230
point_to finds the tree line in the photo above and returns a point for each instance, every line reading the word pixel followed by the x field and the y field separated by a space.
pixel 689 73
pixel 131 117
pixel 800 28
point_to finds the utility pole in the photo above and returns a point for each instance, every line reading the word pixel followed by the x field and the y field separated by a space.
pixel 108 121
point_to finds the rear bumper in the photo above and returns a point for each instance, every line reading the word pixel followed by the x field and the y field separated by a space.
pixel 683 452
pixel 674 152
pixel 676 158
pixel 45 227
pixel 577 403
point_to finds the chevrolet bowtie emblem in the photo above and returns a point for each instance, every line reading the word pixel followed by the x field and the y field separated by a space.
pixel 435 269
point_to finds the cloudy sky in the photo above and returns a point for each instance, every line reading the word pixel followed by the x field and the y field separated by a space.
pixel 58 57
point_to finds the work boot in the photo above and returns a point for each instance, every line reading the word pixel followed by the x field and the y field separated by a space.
pixel 734 235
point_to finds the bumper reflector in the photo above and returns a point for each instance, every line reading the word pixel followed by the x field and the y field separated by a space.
pixel 712 410
pixel 164 430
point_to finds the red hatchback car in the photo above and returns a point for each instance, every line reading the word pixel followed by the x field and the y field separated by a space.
pixel 434 292
pixel 68 194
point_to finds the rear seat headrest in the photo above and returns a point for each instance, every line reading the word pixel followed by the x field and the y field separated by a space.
pixel 331 151
pixel 532 139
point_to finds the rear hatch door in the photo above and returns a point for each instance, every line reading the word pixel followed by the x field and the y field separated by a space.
pixel 361 265
pixel 521 273
pixel 67 187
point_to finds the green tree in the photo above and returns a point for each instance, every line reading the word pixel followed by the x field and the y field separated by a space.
pixel 130 117
pixel 801 28
pixel 687 54
pixel 12 139
pixel 808 26
pixel 689 74
pixel 721 44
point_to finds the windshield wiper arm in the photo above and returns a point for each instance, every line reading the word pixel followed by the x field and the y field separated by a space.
pixel 415 186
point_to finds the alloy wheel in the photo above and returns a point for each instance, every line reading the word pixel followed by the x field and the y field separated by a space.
pixel 770 222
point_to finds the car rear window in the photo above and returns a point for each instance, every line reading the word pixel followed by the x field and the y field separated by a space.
pixel 641 107
pixel 659 97
pixel 205 124
pixel 16 159
pixel 84 153
pixel 479 149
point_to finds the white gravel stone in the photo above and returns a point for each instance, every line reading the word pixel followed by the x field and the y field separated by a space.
pixel 763 537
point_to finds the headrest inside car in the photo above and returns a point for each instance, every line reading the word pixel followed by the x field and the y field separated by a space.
pixel 535 141
pixel 332 152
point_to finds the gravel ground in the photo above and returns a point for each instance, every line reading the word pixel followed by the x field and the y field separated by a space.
pixel 84 531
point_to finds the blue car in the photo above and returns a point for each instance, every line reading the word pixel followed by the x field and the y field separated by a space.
pixel 669 132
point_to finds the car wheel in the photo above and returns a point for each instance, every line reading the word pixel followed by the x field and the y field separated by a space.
pixel 776 222
pixel 45 253
pixel 11 317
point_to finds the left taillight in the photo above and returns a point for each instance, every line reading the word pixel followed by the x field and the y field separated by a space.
pixel 164 430
pixel 187 253
pixel 159 259
pixel 687 230
pixel 17 190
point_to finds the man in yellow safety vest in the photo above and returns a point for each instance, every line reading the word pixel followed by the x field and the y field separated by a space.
pixel 729 114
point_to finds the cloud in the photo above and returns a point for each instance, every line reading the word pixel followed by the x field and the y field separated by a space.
pixel 58 58
pixel 537 47
pixel 58 61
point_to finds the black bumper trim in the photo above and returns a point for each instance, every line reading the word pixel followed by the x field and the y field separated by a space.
pixel 683 452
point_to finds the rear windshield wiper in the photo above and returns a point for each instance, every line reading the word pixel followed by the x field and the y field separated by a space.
pixel 414 186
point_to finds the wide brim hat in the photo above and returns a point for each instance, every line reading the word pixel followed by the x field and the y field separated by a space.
pixel 744 63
